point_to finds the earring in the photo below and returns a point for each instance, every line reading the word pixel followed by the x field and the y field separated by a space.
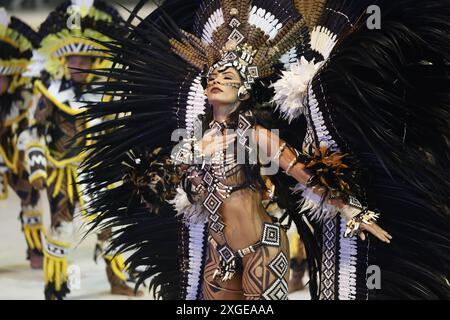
pixel 242 93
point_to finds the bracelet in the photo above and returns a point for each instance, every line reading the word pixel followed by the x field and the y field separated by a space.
pixel 280 151
pixel 364 217
pixel 293 163
pixel 354 202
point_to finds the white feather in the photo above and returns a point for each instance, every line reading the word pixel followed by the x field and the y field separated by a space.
pixel 291 89
pixel 323 41
pixel 196 103
pixel 65 232
pixel 323 134
pixel 264 20
pixel 313 205
pixel 191 212
pixel 214 22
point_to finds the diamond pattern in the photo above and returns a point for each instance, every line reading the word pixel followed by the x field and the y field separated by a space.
pixel 355 202
pixel 56 251
pixel 327 291
pixel 212 203
pixel 277 291
pixel 226 253
pixel 253 71
pixel 183 155
pixel 271 235
pixel 217 227
pixel 230 56
pixel 243 141
pixel 236 36
pixel 31 220
pixel 243 125
pixel 208 178
pixel 279 265
pixel 214 217
pixel 216 126
pixel 234 23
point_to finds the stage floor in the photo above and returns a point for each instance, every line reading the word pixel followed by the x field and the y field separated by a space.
pixel 19 282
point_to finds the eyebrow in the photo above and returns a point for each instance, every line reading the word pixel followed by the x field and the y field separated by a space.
pixel 225 73
pixel 215 73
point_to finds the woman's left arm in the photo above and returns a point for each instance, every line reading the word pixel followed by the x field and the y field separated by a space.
pixel 287 158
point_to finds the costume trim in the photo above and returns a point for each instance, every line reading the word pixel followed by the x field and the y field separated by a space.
pixel 196 259
pixel 10 163
pixel 21 116
pixel 32 226
pixel 63 107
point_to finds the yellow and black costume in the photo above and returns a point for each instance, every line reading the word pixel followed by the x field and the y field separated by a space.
pixel 53 151
pixel 17 41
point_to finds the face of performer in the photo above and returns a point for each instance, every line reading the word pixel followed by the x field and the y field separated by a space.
pixel 4 84
pixel 223 87
pixel 79 62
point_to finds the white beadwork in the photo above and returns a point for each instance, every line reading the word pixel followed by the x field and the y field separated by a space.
pixel 320 128
pixel 347 265
pixel 196 248
pixel 196 104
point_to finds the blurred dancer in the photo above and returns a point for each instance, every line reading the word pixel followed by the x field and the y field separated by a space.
pixel 68 48
pixel 16 45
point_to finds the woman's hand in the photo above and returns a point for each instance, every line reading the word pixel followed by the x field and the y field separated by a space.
pixel 375 230
pixel 213 141
pixel 349 213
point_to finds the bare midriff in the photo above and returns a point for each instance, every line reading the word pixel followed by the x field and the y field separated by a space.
pixel 243 215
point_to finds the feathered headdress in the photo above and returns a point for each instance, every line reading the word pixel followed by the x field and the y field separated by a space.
pixel 16 46
pixel 243 35
pixel 74 28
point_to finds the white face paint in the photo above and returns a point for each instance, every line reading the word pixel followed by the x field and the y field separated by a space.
pixel 223 87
